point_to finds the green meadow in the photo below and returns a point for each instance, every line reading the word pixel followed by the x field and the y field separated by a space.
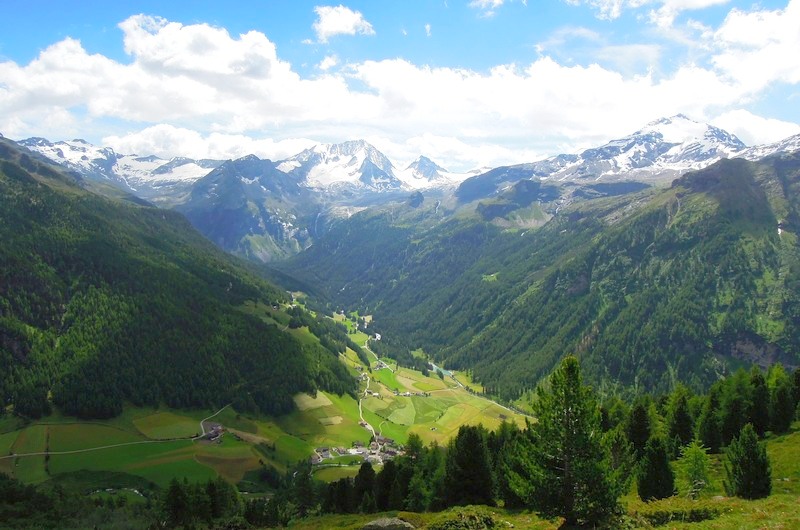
pixel 148 447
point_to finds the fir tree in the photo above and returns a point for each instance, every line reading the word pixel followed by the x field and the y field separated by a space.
pixel 656 478
pixel 748 473
pixel 562 467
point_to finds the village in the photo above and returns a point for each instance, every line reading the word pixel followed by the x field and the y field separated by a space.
pixel 378 451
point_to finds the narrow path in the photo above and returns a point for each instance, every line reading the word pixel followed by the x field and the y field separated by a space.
pixel 361 412
pixel 75 451
pixel 202 427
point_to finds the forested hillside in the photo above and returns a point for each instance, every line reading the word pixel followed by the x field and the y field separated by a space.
pixel 680 283
pixel 103 303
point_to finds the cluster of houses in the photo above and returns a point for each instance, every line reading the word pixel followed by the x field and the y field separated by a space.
pixel 380 365
pixel 376 452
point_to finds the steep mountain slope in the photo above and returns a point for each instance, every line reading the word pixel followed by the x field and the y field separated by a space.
pixel 660 151
pixel 646 287
pixel 249 207
pixel 103 302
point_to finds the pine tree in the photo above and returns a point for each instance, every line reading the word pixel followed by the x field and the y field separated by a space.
pixel 781 403
pixel 367 503
pixel 708 426
pixel 304 489
pixel 759 402
pixel 638 428
pixel 748 473
pixel 561 467
pixel 417 499
pixel 679 420
pixel 735 407
pixel 383 485
pixel 656 478
pixel 176 504
pixel 343 498
pixel 364 483
pixel 468 473
pixel 796 387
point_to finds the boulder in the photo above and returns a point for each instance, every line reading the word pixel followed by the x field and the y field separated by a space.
pixel 388 523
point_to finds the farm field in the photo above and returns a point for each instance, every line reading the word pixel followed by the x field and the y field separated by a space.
pixel 148 446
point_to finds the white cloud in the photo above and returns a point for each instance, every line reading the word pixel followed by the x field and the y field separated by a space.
pixel 663 15
pixel 755 130
pixel 760 47
pixel 487 6
pixel 168 141
pixel 340 20
pixel 427 30
pixel 630 58
pixel 198 91
pixel 328 62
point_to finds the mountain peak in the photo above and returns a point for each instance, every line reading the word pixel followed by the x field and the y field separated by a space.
pixel 344 163
pixel 425 168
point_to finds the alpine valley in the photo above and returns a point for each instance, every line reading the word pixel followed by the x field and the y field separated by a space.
pixel 154 375
pixel 667 255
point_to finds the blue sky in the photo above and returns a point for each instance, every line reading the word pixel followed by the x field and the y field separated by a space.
pixel 468 83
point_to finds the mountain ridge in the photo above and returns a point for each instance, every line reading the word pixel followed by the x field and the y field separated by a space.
pixel 662 283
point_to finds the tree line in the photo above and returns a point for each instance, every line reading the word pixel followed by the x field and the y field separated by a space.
pixel 574 461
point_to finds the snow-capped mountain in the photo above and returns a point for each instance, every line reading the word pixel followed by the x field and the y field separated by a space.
pixel 787 145
pixel 354 163
pixel 663 148
pixel 148 177
pixel 660 151
pixel 358 166
pixel 425 168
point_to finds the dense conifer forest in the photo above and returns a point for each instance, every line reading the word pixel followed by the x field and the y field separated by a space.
pixel 648 288
pixel 104 302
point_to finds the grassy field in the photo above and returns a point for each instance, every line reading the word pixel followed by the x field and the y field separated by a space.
pixel 156 445
pixel 331 474
pixel 165 425
pixel 73 436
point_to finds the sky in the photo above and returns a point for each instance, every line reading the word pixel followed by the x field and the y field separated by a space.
pixel 468 83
